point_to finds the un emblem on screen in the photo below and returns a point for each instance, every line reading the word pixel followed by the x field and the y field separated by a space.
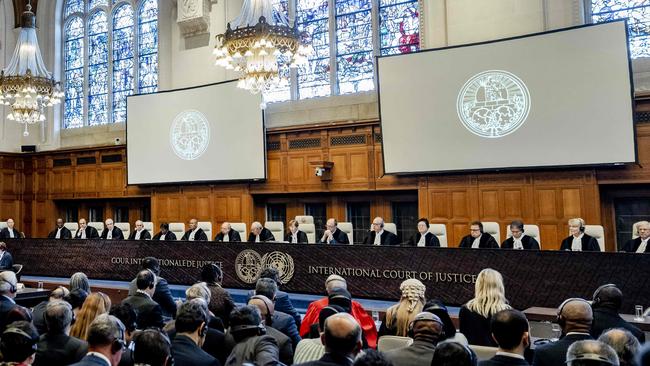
pixel 493 103
pixel 189 135
pixel 249 264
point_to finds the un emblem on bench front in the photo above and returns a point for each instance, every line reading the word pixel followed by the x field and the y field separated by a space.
pixel 249 264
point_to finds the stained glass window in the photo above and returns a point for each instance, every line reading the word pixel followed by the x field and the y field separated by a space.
pixel 637 13
pixel 74 71
pixel 74 6
pixel 354 59
pixel 96 3
pixel 399 26
pixel 148 47
pixel 122 60
pixel 314 78
pixel 97 69
pixel 282 92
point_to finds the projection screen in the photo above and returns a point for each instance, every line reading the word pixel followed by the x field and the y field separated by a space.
pixel 207 133
pixel 561 98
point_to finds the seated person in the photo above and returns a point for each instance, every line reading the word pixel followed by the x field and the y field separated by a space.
pixel 164 233
pixel 267 312
pixel 227 233
pixel 195 233
pixel 511 332
pixel 149 312
pixel 378 236
pixel 624 343
pixel 85 231
pixel 606 305
pixel 477 238
pixel 426 330
pixel 140 233
pixel 253 346
pixel 18 344
pixel 60 232
pixel 259 233
pixel 333 235
pixel 578 241
pixel 453 354
pixel 519 240
pixel 56 347
pixel 294 235
pixel 152 347
pixel 112 232
pixel 423 238
pixel 438 308
pixel 640 244
pixel 6 260
pixel 10 232
pixel 590 352
pixel 400 315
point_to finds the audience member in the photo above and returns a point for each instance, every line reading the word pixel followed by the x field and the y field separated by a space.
pixel 56 347
pixel 295 235
pixel 111 232
pixel 371 357
pixel 164 233
pixel 96 304
pixel 280 321
pixel 140 233
pixel 378 236
pixel 191 328
pixel 265 307
pixel 60 231
pixel 591 353
pixel 424 238
pixel 342 340
pixel 6 260
pixel 85 232
pixel 489 298
pixel 38 312
pixel 606 304
pixel 574 317
pixel 454 354
pixel 221 303
pixel 624 343
pixel 105 342
pixel 282 301
pixel 332 234
pixel 18 343
pixel 312 349
pixel 259 233
pixel 578 241
pixel 253 345
pixel 400 315
pixel 643 358
pixel 437 308
pixel 162 295
pixel 426 330
pixel 10 232
pixel 477 237
pixel 511 332
pixel 19 313
pixel 79 280
pixel 126 314
pixel 227 234
pixel 149 313
pixel 152 348
pixel 8 289
pixel 195 233
pixel 76 299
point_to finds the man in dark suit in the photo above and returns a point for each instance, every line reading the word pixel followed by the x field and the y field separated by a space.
pixel 427 331
pixel 6 260
pixel 423 238
pixel 85 231
pixel 575 318
pixel 378 236
pixel 606 304
pixel 294 235
pixel 38 312
pixel 267 312
pixel 164 233
pixel 148 311
pixel 56 347
pixel 60 232
pixel 477 238
pixel 281 321
pixel 112 232
pixel 152 347
pixel 10 232
pixel 106 338
pixel 18 343
pixel 259 233
pixel 578 241
pixel 333 235
pixel 162 294
pixel 342 340
pixel 511 332
pixel 140 233
pixel 195 233
pixel 253 345
pixel 8 289
pixel 640 244
pixel 227 234
pixel 191 327
pixel 519 240
pixel 280 299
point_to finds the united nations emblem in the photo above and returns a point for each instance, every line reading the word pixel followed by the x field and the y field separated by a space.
pixel 189 135
pixel 248 265
pixel 493 103
pixel 280 261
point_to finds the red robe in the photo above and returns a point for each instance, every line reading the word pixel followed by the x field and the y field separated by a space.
pixel 358 312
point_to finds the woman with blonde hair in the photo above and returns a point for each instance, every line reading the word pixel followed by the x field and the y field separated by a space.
pixel 400 315
pixel 96 304
pixel 489 298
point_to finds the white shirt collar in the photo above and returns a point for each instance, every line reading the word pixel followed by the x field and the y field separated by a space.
pixel 508 354
pixel 578 333
pixel 10 299
pixel 101 356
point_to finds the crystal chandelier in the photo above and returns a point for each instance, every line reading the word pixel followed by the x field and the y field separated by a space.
pixel 26 85
pixel 259 52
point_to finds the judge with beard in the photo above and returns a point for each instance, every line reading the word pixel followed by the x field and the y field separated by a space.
pixel 519 240
pixel 60 232
pixel 85 231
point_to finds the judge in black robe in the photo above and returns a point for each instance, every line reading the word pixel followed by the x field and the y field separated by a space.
pixel 333 235
pixel 386 237
pixel 199 234
pixel 517 230
pixel 64 234
pixel 631 246
pixel 430 240
pixel 7 232
pixel 91 232
pixel 577 230
pixel 164 230
pixel 301 236
pixel 233 235
pixel 144 233
pixel 116 232
pixel 257 230
pixel 476 231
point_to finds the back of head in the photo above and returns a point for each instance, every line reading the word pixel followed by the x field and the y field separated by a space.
pixel 18 313
pixel 508 327
pixel 340 297
pixel 211 273
pixel 8 282
pixel 370 357
pixel 126 314
pixel 411 303
pixel 151 263
pixel 58 316
pixel 190 316
pixel 96 304
pixel 326 312
pixel 623 343
pixel 575 314
pixel 608 296
pixel 59 293
pixel 438 308
pixel 104 331
pixel 335 281
pixel 198 291
pixel 18 341
pixel 342 334
pixel 79 280
pixel 489 294
pixel 145 279
pixel 591 353
pixel 453 354
pixel 245 322
pixel 76 298
pixel 266 287
pixel 151 347
pixel 271 273
pixel 426 327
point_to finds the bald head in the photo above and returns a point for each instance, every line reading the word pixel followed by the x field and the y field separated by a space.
pixel 624 344
pixel 193 224
pixel 225 228
pixel 264 305
pixel 577 316
pixel 342 334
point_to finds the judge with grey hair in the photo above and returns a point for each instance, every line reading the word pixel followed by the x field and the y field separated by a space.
pixel 259 233
pixel 112 232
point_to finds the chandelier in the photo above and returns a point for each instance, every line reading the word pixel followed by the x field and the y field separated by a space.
pixel 260 53
pixel 26 85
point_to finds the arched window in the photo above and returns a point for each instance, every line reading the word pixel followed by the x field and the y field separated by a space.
pixel 110 52
pixel 637 14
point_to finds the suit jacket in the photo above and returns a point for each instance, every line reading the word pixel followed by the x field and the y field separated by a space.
pixel 285 346
pixel 5 307
pixel 216 343
pixel 265 235
pixel 528 242
pixel 330 359
pixel 430 240
pixel 149 313
pixel 258 350
pixel 632 245
pixel 418 353
pixel 65 233
pixel 91 233
pixel 301 235
pixel 4 234
pixel 554 354
pixel 475 327
pixel 59 350
pixel 38 317
pixel 91 360
pixel 501 360
pixel 162 296
pixel 283 304
pixel 387 238
pixel 233 235
pixel 169 236
pixel 7 261
pixel 144 235
pixel 198 236
pixel 221 303
pixel 487 241
pixel 589 243
pixel 287 326
pixel 116 234
pixel 339 237
pixel 188 353
pixel 607 318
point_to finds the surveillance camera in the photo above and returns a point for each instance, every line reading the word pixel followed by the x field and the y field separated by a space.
pixel 117 141
pixel 319 171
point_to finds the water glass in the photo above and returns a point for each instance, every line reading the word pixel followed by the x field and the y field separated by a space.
pixel 40 285
pixel 638 313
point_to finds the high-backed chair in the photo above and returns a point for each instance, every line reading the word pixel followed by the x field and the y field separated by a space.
pixel 304 219
pixel 347 228
pixel 530 230
pixel 598 232
pixel 389 342
pixel 483 352
pixel 276 228
pixel 492 228
pixel 97 225
pixel 3 224
pixel 72 226
pixel 178 228
pixel 240 227
pixel 125 227
pixel 391 227
pixel 206 226
pixel 149 226
pixel 310 230
pixel 439 230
